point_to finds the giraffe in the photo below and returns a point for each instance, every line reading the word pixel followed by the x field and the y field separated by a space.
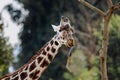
pixel 40 61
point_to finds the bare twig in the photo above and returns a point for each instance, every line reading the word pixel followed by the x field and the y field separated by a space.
pixel 116 6
pixel 110 4
pixel 82 34
pixel 92 7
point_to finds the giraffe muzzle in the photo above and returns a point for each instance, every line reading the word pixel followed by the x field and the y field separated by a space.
pixel 70 43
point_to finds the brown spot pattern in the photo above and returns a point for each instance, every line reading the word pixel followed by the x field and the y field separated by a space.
pixel 39 59
pixel 34 75
pixel 48 48
pixel 50 57
pixel 44 52
pixel 51 42
pixel 56 43
pixel 53 50
pixel 23 75
pixel 45 63
pixel 32 66
pixel 64 35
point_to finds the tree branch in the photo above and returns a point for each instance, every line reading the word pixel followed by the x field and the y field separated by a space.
pixel 92 7
pixel 110 4
pixel 116 6
pixel 107 16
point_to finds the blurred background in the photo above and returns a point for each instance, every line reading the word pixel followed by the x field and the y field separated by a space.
pixel 25 26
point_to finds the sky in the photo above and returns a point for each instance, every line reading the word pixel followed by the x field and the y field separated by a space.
pixel 11 29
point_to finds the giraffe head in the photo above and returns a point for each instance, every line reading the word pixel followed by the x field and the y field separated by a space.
pixel 64 32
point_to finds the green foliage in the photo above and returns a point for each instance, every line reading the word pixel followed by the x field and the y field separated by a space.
pixel 114 48
pixel 6 57
pixel 114 26
pixel 79 69
pixel 98 36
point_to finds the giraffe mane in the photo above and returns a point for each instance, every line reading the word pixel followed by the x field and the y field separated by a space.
pixel 7 75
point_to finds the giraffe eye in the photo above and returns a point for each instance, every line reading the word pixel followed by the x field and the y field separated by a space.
pixel 60 30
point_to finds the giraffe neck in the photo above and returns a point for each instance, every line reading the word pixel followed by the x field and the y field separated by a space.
pixel 38 63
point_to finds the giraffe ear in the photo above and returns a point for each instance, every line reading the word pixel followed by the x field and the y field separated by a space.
pixel 56 28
